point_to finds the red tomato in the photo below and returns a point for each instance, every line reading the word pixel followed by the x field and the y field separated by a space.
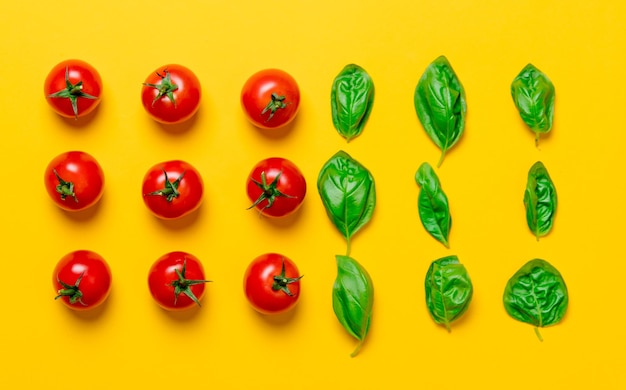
pixel 73 88
pixel 82 280
pixel 270 98
pixel 171 94
pixel 172 189
pixel 276 187
pixel 74 180
pixel 272 283
pixel 176 281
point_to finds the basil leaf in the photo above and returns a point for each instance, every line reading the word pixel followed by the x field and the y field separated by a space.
pixel 432 204
pixel 540 200
pixel 440 105
pixel 536 295
pixel 448 290
pixel 533 95
pixel 353 298
pixel 348 193
pixel 351 100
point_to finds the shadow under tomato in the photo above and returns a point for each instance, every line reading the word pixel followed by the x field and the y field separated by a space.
pixel 85 215
pixel 184 315
pixel 83 121
pixel 180 128
pixel 281 222
pixel 182 222
pixel 279 320
pixel 91 315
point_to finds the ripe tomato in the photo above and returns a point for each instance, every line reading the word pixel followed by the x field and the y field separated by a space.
pixel 73 88
pixel 270 98
pixel 276 187
pixel 74 180
pixel 272 283
pixel 176 281
pixel 171 94
pixel 172 189
pixel 82 280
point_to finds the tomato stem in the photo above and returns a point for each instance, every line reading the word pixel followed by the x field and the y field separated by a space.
pixel 71 291
pixel 278 101
pixel 72 92
pixel 166 87
pixel 183 286
pixel 65 188
pixel 270 192
pixel 281 282
pixel 170 192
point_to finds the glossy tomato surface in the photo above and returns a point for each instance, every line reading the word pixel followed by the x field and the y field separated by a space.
pixel 272 283
pixel 73 88
pixel 82 280
pixel 171 94
pixel 74 180
pixel 176 281
pixel 276 187
pixel 172 189
pixel 270 98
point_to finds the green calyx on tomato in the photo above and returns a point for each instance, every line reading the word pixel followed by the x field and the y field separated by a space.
pixel 270 192
pixel 166 87
pixel 183 286
pixel 281 282
pixel 65 188
pixel 72 92
pixel 171 188
pixel 71 291
pixel 278 101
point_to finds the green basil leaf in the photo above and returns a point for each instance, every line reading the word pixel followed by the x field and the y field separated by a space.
pixel 353 298
pixel 533 95
pixel 540 200
pixel 351 100
pixel 348 193
pixel 432 204
pixel 440 105
pixel 536 295
pixel 448 290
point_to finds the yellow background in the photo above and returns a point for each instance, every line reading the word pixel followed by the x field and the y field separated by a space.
pixel 132 343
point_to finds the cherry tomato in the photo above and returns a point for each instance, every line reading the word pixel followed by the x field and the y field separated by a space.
pixel 171 94
pixel 172 189
pixel 272 283
pixel 276 187
pixel 73 88
pixel 74 180
pixel 82 280
pixel 270 98
pixel 176 281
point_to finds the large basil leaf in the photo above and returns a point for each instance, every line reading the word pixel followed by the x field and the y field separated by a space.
pixel 348 193
pixel 432 204
pixel 536 295
pixel 540 200
pixel 440 105
pixel 533 95
pixel 351 100
pixel 448 290
pixel 353 298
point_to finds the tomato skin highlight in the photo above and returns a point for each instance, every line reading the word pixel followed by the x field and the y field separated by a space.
pixel 190 189
pixel 187 94
pixel 290 187
pixel 77 71
pixel 163 272
pixel 259 280
pixel 264 87
pixel 95 279
pixel 85 175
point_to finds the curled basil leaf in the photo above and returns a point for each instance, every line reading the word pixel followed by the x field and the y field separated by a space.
pixel 353 298
pixel 448 290
pixel 440 105
pixel 348 193
pixel 432 204
pixel 351 100
pixel 540 200
pixel 533 95
pixel 536 295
